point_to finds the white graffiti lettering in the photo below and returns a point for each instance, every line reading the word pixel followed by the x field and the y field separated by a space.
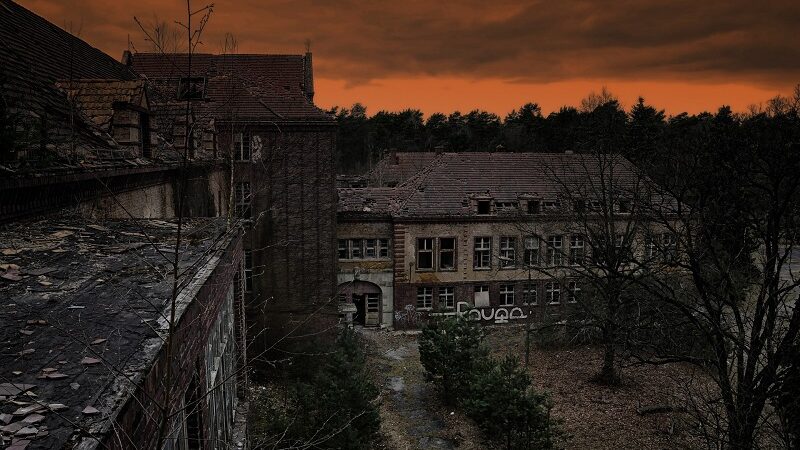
pixel 499 315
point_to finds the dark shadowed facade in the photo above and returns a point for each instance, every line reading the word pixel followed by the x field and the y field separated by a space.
pixel 282 152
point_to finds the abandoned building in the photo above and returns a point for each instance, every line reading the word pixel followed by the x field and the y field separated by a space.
pixel 486 232
pixel 122 275
pixel 282 151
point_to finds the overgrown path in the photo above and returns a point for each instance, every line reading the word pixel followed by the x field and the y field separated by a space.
pixel 412 416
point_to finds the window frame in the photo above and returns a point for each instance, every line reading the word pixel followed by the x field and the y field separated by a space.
pixel 552 291
pixel 442 250
pixel 509 249
pixel 527 289
pixel 573 291
pixel 447 297
pixel 506 293
pixel 533 250
pixel 425 296
pixel 430 251
pixel 242 145
pixel 577 250
pixel 242 200
pixel 555 254
pixel 482 252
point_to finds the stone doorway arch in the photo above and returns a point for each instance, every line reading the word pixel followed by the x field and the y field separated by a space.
pixel 366 297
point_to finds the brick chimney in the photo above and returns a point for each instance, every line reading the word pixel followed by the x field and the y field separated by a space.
pixel 127 57
pixel 308 77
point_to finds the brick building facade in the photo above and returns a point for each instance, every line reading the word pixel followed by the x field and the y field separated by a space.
pixel 500 234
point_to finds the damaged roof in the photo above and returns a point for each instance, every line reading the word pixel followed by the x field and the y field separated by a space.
pixel 81 310
pixel 95 99
pixel 445 184
pixel 242 87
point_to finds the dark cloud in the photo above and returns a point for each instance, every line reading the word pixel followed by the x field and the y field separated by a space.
pixel 538 41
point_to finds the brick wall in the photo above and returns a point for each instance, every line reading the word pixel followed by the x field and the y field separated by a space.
pixel 140 417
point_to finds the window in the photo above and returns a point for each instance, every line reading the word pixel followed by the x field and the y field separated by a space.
pixel 579 205
pixel 553 293
pixel 356 251
pixel 531 251
pixel 373 303
pixel 425 254
pixel 447 253
pixel 573 292
pixel 551 205
pixel 481 296
pixel 669 246
pixel 508 252
pixel 624 207
pixel 650 246
pixel 370 248
pixel 554 244
pixel 344 251
pixel 506 294
pixel 191 88
pixel 534 207
pixel 577 250
pixel 424 297
pixel 248 271
pixel 447 298
pixel 383 248
pixel 241 199
pixel 484 207
pixel 483 253
pixel 530 294
pixel 241 147
pixel 505 205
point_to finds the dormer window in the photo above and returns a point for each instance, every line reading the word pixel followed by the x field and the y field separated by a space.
pixel 579 205
pixel 551 205
pixel 624 207
pixel 534 207
pixel 484 207
pixel 192 88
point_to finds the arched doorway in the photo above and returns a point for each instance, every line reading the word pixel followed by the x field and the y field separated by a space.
pixel 366 297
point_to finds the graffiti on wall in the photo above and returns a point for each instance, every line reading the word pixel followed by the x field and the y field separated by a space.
pixel 499 315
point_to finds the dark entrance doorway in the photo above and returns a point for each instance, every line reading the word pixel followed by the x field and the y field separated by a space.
pixel 366 297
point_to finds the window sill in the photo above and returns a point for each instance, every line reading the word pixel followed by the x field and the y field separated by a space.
pixel 420 308
pixel 553 303
pixel 482 268
pixel 448 270
pixel 508 268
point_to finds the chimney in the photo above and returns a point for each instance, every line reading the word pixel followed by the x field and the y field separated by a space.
pixel 308 77
pixel 127 57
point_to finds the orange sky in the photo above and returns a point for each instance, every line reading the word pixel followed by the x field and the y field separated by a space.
pixel 681 55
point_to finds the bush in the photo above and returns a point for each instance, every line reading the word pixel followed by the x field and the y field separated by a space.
pixel 331 407
pixel 448 349
pixel 496 395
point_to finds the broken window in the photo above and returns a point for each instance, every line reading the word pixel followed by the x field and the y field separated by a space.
pixel 624 207
pixel 370 248
pixel 531 251
pixel 425 254
pixel 553 292
pixel 508 252
pixel 241 199
pixel 447 253
pixel 484 207
pixel 482 257
pixel 383 248
pixel 579 205
pixel 534 207
pixel 554 244
pixel 241 147
pixel 577 250
pixel 424 297
pixel 447 298
pixel 650 246
pixel 529 294
pixel 191 88
pixel 356 252
pixel 573 292
pixel 344 251
pixel 506 294
pixel 551 205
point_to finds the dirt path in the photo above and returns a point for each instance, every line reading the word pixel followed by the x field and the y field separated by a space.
pixel 412 417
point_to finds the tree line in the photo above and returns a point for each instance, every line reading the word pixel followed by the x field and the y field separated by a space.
pixel 599 119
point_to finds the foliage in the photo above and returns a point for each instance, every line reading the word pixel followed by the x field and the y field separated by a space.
pixel 449 349
pixel 496 395
pixel 331 406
